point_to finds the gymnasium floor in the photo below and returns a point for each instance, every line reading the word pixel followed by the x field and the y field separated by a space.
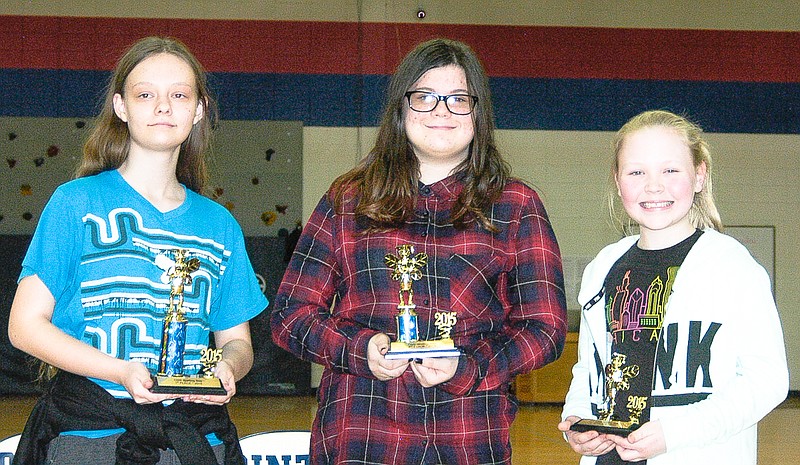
pixel 534 436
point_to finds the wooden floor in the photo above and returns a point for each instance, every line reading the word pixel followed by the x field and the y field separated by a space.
pixel 534 437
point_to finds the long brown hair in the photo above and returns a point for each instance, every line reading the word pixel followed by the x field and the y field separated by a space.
pixel 385 181
pixel 108 144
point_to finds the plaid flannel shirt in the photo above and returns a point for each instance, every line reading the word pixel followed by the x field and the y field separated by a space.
pixel 506 288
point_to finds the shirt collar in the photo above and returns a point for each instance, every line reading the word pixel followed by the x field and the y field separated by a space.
pixel 448 187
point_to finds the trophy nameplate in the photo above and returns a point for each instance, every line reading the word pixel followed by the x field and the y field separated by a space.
pixel 618 378
pixel 205 384
pixel 406 269
pixel 170 378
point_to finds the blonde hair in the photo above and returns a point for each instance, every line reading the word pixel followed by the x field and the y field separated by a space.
pixel 703 213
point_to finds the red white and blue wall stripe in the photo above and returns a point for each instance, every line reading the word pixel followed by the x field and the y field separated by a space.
pixel 334 73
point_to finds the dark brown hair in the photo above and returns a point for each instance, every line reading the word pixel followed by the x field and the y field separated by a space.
pixel 385 181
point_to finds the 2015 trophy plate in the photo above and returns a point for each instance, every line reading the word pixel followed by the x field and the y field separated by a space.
pixel 618 378
pixel 406 269
pixel 170 378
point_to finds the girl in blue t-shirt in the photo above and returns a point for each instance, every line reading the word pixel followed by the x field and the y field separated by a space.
pixel 98 279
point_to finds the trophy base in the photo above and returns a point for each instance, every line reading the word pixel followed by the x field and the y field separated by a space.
pixel 615 427
pixel 201 385
pixel 422 349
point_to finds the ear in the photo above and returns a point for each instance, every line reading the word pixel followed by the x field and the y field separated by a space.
pixel 199 112
pixel 700 177
pixel 119 107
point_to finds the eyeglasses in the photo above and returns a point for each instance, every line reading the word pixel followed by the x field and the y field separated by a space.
pixel 457 104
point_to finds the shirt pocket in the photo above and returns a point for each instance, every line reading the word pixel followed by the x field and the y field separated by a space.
pixel 475 282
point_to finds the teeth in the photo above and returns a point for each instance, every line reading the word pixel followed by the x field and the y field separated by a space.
pixel 656 204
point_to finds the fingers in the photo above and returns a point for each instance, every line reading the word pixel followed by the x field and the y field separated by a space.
pixel 434 371
pixel 224 373
pixel 380 342
pixel 208 399
pixel 565 425
pixel 390 369
pixel 380 367
pixel 143 395
pixel 589 443
pixel 137 381
pixel 644 443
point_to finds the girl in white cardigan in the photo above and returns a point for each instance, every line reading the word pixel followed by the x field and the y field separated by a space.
pixel 689 309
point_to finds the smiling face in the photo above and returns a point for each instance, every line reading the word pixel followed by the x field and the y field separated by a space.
pixel 440 139
pixel 656 181
pixel 160 104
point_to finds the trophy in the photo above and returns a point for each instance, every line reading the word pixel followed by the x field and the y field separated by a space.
pixel 618 378
pixel 406 269
pixel 170 378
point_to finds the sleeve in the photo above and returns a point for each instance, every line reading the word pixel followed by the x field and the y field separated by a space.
pixel 535 325
pixel 585 371
pixel 302 321
pixel 54 252
pixel 761 380
pixel 578 401
pixel 239 298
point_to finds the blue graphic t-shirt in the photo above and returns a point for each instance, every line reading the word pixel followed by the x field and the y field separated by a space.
pixel 637 289
pixel 105 253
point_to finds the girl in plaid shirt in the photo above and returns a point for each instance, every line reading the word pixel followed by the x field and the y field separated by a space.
pixel 435 181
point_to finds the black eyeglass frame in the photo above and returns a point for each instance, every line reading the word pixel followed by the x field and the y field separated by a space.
pixel 441 98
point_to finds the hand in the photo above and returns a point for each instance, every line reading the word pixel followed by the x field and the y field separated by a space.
pixel 588 442
pixel 381 368
pixel 137 381
pixel 434 371
pixel 224 372
pixel 642 444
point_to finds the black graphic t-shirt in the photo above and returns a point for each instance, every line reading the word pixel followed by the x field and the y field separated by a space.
pixel 637 288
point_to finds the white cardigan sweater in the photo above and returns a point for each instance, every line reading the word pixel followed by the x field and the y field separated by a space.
pixel 709 410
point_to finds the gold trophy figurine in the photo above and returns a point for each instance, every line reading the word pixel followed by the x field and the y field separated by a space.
pixel 170 378
pixel 618 378
pixel 406 268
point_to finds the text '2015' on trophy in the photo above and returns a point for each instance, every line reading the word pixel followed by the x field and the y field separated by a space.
pixel 170 378
pixel 618 378
pixel 406 268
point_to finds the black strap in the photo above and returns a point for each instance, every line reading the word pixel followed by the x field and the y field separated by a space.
pixel 595 299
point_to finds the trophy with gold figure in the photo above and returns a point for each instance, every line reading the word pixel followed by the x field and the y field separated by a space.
pixel 170 378
pixel 608 421
pixel 406 268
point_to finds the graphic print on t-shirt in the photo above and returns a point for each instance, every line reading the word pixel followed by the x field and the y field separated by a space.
pixel 126 303
pixel 637 312
pixel 640 284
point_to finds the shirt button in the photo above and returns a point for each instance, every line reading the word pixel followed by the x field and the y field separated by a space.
pixel 424 234
pixel 426 302
pixel 426 190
